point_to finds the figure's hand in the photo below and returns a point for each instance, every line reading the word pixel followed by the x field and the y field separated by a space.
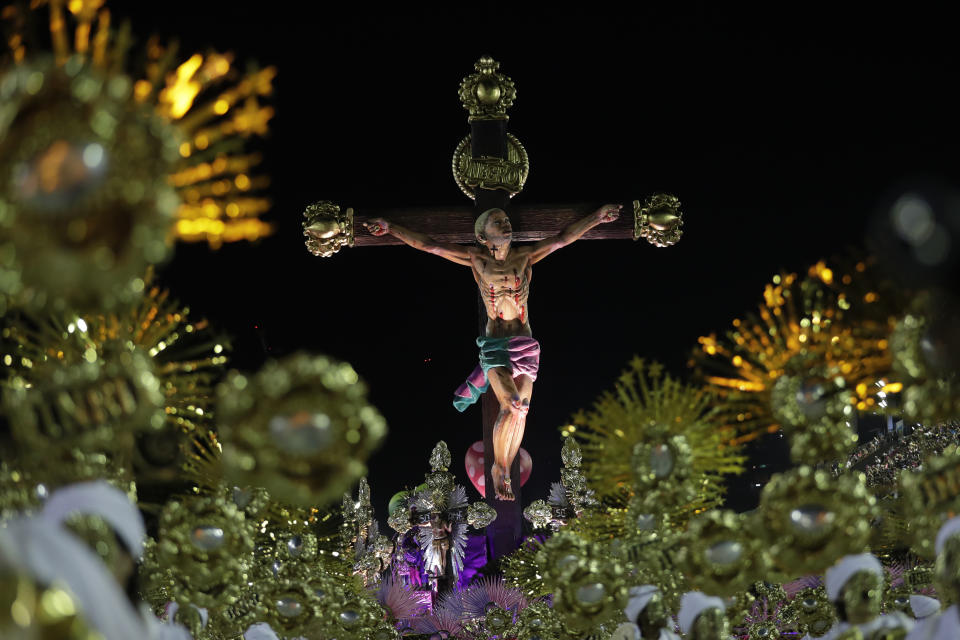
pixel 377 227
pixel 608 212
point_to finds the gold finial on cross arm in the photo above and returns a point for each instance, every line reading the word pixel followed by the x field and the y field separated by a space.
pixel 327 229
pixel 659 220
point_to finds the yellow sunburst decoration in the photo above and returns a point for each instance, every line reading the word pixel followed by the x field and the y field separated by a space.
pixel 651 448
pixel 816 352
pixel 213 108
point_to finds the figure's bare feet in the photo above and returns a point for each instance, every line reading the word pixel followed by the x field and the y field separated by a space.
pixel 501 483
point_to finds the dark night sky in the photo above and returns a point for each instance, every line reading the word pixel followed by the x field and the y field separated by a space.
pixel 780 131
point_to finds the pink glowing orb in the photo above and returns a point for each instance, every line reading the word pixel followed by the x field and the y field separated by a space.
pixel 474 465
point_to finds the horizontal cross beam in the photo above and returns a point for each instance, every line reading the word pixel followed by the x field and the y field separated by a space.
pixel 455 224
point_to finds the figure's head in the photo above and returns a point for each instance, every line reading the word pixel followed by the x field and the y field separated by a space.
pixel 493 227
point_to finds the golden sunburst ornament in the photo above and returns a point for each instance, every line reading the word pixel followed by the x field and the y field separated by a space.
pixel 212 109
pixel 816 352
pixel 655 438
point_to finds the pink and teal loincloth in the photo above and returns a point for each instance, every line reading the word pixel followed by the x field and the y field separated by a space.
pixel 520 354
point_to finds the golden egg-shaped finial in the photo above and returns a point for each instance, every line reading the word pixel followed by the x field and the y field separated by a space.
pixel 327 229
pixel 487 93
pixel 659 220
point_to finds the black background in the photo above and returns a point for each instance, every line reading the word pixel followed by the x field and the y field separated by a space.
pixel 781 130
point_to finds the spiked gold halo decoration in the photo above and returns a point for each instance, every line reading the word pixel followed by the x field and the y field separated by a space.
pixel 680 456
pixel 85 206
pixel 301 428
pixel 212 108
pixel 828 334
pixel 177 353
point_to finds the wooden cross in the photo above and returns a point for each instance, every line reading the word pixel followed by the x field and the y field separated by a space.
pixel 490 166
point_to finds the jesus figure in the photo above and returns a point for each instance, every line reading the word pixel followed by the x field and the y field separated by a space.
pixel 509 356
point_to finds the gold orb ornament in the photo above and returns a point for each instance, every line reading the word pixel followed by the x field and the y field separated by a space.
pixel 659 221
pixel 810 519
pixel 487 93
pixel 327 229
pixel 301 428
pixel 84 202
pixel 721 556
pixel 203 553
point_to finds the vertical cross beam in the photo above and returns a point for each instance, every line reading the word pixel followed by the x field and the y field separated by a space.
pixel 488 139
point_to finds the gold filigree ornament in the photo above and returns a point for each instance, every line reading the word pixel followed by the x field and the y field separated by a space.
pixel 213 108
pixel 537 621
pixel 301 428
pixel 661 471
pixel 588 582
pixel 930 496
pixel 809 519
pixel 491 172
pixel 720 556
pixel 521 570
pixel 84 203
pixel 288 605
pixel 816 411
pixel 480 514
pixel 539 513
pixel 97 404
pixel 487 94
pixel 659 221
pixel 180 352
pixel 203 554
pixel 815 615
pixel 924 345
pixel 327 229
pixel 347 611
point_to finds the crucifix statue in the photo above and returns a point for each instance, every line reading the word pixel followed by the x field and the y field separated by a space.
pixel 491 166
pixel 509 356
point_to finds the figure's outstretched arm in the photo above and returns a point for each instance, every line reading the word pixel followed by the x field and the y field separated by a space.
pixel 452 252
pixel 606 213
